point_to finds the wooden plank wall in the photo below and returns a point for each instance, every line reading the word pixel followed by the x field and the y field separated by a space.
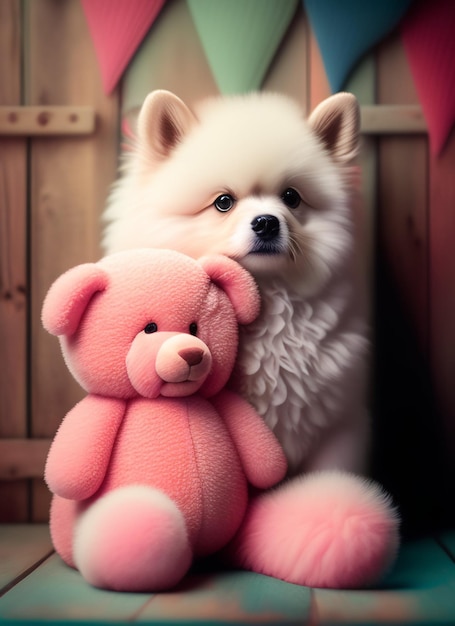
pixel 14 293
pixel 52 190
pixel 414 312
pixel 69 183
pixel 52 212
pixel 441 224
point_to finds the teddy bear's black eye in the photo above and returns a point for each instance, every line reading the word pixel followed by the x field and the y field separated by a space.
pixel 193 328
pixel 224 203
pixel 150 328
pixel 291 198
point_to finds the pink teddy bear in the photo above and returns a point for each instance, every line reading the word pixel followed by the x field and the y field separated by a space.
pixel 150 469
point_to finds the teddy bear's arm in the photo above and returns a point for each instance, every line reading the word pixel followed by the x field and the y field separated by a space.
pixel 80 452
pixel 262 456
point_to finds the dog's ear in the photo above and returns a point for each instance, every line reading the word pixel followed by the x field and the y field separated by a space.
pixel 336 121
pixel 163 121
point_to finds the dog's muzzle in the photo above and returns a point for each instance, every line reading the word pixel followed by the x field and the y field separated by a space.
pixel 267 235
pixel 266 227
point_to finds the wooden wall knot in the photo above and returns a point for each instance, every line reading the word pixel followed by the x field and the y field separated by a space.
pixel 47 120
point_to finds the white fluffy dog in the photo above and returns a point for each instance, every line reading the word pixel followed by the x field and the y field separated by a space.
pixel 249 177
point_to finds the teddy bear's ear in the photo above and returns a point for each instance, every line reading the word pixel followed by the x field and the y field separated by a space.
pixel 69 296
pixel 336 121
pixel 163 121
pixel 238 284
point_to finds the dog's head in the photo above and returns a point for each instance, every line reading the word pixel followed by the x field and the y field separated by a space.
pixel 244 176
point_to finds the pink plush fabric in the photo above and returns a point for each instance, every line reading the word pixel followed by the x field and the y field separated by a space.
pixel 167 292
pixel 88 432
pixel 139 512
pixel 177 445
pixel 152 468
pixel 328 529
pixel 157 450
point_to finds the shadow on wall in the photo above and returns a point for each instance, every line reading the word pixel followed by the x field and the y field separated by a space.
pixel 410 457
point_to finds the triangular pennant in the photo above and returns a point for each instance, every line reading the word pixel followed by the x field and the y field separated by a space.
pixel 240 38
pixel 429 39
pixel 170 57
pixel 117 28
pixel 346 30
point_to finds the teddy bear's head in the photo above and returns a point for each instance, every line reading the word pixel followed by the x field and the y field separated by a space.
pixel 151 322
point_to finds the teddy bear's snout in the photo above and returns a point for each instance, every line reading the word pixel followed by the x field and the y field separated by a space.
pixel 193 356
pixel 168 363
pixel 183 358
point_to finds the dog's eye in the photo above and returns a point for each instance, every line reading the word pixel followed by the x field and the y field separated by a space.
pixel 224 203
pixel 150 328
pixel 291 198
pixel 193 328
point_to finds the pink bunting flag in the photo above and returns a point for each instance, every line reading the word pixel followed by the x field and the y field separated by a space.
pixel 428 34
pixel 117 28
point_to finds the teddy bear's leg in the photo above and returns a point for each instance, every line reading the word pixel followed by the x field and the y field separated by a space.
pixel 132 539
pixel 62 518
pixel 327 529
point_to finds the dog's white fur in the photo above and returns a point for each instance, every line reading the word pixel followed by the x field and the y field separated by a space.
pixel 303 360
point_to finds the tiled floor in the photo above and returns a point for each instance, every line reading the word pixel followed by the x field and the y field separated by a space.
pixel 36 588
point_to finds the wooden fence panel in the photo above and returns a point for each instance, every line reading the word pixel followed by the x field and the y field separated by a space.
pixel 362 84
pixel 403 191
pixel 442 295
pixel 415 338
pixel 70 177
pixel 13 255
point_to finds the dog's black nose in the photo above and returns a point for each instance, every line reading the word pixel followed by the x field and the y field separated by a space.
pixel 266 226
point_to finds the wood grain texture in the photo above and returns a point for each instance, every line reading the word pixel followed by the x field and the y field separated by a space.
pixel 23 458
pixel 13 287
pixel 36 590
pixel 230 598
pixel 22 547
pixel 407 426
pixel 40 500
pixel 403 187
pixel 70 178
pixel 442 294
pixel 362 84
pixel 56 592
pixel 13 261
pixel 394 119
pixel 419 590
pixel 46 120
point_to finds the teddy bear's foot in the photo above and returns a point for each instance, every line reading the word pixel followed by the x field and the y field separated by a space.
pixel 132 539
pixel 328 529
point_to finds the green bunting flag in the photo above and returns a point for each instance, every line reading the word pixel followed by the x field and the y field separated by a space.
pixel 240 38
